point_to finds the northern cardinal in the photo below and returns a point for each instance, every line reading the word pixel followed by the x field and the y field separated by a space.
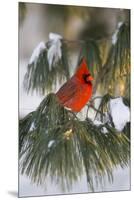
pixel 77 91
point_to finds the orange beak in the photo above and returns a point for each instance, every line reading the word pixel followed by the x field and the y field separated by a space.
pixel 89 78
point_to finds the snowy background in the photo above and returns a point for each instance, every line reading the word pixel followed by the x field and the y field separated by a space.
pixel 30 35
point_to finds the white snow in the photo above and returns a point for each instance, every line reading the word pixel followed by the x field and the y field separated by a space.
pixel 120 113
pixel 32 127
pixel 36 52
pixel 54 36
pixel 104 130
pixel 114 36
pixel 54 52
pixel 51 142
pixel 98 123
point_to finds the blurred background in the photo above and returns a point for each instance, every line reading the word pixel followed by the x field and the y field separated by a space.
pixel 36 21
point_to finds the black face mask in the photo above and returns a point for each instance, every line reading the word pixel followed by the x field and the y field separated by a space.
pixel 85 78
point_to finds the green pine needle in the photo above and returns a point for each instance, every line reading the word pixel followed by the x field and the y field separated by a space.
pixel 55 143
pixel 40 78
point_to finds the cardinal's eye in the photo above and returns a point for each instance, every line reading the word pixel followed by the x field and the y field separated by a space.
pixel 85 76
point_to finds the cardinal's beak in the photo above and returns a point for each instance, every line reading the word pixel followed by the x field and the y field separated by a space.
pixel 90 78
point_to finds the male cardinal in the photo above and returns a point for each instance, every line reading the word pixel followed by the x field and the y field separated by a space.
pixel 77 91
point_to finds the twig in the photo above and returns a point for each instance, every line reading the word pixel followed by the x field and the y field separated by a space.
pixel 81 41
pixel 94 98
pixel 74 115
pixel 91 106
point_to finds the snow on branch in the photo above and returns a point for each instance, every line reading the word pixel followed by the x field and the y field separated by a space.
pixel 47 65
pixel 36 52
pixel 32 127
pixel 115 35
pixel 120 113
pixel 99 123
pixel 54 51
pixel 51 142
pixel 71 140
pixel 113 112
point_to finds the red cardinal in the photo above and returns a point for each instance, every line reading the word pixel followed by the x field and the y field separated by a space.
pixel 77 91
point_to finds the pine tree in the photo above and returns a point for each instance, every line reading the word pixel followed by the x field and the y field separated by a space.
pixel 56 142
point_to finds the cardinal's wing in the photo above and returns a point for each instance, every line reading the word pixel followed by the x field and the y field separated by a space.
pixel 67 91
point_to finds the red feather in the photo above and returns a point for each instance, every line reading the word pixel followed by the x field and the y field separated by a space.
pixel 77 91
